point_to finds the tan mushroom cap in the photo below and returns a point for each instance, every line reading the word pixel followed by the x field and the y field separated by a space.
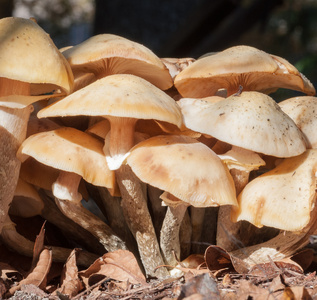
pixel 283 197
pixel 253 69
pixel 26 202
pixel 303 110
pixel 120 95
pixel 29 55
pixel 185 168
pixel 106 54
pixel 70 150
pixel 251 120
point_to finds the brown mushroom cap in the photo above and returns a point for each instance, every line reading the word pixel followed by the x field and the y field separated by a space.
pixel 185 168
pixel 251 120
pixel 29 55
pixel 70 150
pixel 253 69
pixel 283 197
pixel 26 202
pixel 106 54
pixel 302 110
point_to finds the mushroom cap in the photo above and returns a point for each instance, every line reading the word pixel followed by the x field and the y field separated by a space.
pixel 302 110
pixel 120 95
pixel 185 168
pixel 26 202
pixel 253 69
pixel 106 54
pixel 251 120
pixel 70 150
pixel 242 159
pixel 28 54
pixel 283 197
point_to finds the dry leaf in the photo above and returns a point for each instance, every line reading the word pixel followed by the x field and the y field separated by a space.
pixel 38 246
pixel 39 274
pixel 122 265
pixel 119 265
pixel 295 293
pixel 70 282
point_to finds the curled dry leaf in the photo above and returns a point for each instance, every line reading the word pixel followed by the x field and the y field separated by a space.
pixel 70 282
pixel 120 265
pixel 38 275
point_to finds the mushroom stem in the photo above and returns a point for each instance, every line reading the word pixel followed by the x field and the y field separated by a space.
pixel 13 126
pixel 20 244
pixel 228 231
pixel 121 140
pixel 73 209
pixel 197 219
pixel 169 239
pixel 136 213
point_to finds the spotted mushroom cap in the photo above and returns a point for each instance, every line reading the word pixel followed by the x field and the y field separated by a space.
pixel 245 66
pixel 303 110
pixel 283 197
pixel 251 120
pixel 185 168
pixel 28 54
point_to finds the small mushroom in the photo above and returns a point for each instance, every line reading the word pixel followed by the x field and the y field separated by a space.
pixel 106 54
pixel 186 169
pixel 76 155
pixel 24 46
pixel 251 68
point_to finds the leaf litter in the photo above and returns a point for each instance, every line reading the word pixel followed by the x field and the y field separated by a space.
pixel 116 275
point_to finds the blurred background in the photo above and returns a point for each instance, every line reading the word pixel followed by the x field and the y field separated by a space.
pixel 187 28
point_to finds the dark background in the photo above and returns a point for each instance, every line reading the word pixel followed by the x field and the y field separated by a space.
pixel 191 28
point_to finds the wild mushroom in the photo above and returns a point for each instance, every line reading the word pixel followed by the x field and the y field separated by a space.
pixel 186 169
pixel 251 121
pixel 245 66
pixel 283 198
pixel 106 54
pixel 123 99
pixel 24 46
pixel 76 155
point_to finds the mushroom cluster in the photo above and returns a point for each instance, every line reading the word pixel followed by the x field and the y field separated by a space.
pixel 154 142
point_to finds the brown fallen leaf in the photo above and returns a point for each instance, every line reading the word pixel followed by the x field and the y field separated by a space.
pixel 70 282
pixel 120 265
pixel 38 246
pixel 295 293
pixel 38 275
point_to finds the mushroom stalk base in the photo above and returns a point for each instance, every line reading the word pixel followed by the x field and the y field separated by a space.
pixel 169 238
pixel 138 218
pixel 87 220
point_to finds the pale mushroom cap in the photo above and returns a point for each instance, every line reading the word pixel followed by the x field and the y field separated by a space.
pixel 70 150
pixel 303 111
pixel 253 69
pixel 185 168
pixel 251 120
pixel 28 54
pixel 283 197
pixel 120 95
pixel 111 54
pixel 242 159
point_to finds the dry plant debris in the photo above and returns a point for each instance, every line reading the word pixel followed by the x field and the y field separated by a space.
pixel 53 245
